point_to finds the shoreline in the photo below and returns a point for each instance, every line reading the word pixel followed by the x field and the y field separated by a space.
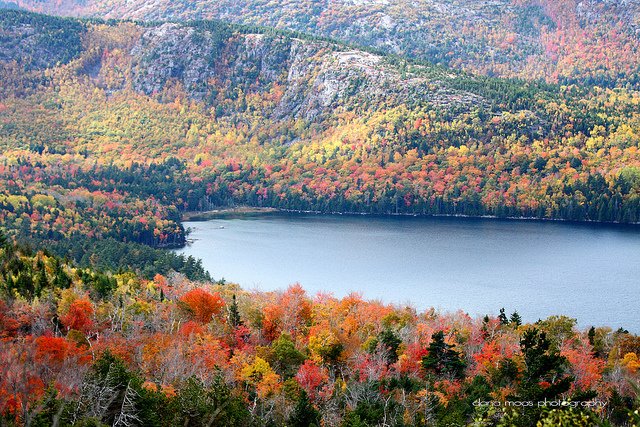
pixel 249 211
pixel 221 213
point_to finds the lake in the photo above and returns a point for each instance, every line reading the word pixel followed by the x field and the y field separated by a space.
pixel 590 272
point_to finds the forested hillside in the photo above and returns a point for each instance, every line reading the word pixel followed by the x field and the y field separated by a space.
pixel 85 348
pixel 145 121
pixel 565 41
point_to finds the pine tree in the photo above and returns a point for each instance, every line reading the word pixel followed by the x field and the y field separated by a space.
pixel 389 341
pixel 516 319
pixel 543 365
pixel 41 281
pixel 304 414
pixel 503 317
pixel 4 241
pixel 61 279
pixel 592 335
pixel 9 283
pixel 442 359
pixel 234 313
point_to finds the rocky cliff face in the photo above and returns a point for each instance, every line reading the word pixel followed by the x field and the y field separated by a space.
pixel 198 57
pixel 313 76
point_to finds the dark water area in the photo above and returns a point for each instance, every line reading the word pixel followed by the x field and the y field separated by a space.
pixel 586 271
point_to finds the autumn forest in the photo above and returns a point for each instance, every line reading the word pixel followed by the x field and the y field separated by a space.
pixel 112 130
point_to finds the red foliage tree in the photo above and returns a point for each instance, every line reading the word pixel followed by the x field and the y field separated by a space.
pixel 53 349
pixel 310 377
pixel 79 317
pixel 202 305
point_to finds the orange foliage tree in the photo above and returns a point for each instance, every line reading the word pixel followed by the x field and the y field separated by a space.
pixel 79 317
pixel 202 305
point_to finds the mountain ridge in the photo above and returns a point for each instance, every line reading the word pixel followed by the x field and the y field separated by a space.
pixel 593 42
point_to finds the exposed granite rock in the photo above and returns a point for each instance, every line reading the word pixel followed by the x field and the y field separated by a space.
pixel 316 76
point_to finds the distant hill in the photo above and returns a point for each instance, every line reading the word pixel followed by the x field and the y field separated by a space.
pixel 593 41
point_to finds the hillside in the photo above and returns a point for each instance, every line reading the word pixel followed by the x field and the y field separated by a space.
pixel 205 58
pixel 80 347
pixel 593 42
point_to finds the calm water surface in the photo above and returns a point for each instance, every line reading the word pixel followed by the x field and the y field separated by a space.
pixel 588 272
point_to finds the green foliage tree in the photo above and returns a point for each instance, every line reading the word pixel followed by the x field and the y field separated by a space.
pixel 388 342
pixel 515 319
pixel 4 241
pixel 365 414
pixel 544 377
pixel 285 359
pixel 234 313
pixel 442 359
pixel 568 418
pixel 129 398
pixel 304 414
pixel 502 317
pixel 197 405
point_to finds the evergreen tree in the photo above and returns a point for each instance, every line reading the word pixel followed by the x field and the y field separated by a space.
pixel 592 335
pixel 4 241
pixel 503 317
pixel 41 281
pixel 516 319
pixel 389 342
pixel 442 359
pixel 61 279
pixel 234 314
pixel 544 375
pixel 304 414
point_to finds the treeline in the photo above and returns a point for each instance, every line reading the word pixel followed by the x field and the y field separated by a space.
pixel 593 199
pixel 116 256
pixel 93 232
pixel 101 255
pixel 95 214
